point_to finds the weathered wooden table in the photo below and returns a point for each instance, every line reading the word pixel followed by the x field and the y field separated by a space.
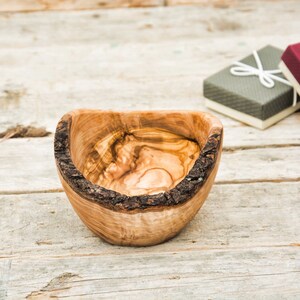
pixel 244 243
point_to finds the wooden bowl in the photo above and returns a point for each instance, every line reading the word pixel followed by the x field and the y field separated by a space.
pixel 137 178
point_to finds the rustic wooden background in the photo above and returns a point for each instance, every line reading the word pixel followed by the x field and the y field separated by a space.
pixel 244 243
pixel 37 5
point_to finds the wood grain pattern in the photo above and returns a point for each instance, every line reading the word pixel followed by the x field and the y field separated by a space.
pixel 222 223
pixel 258 272
pixel 213 3
pixel 226 249
pixel 38 5
pixel 244 242
pixel 278 162
pixel 106 58
pixel 139 220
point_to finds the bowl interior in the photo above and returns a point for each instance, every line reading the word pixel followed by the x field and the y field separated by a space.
pixel 137 153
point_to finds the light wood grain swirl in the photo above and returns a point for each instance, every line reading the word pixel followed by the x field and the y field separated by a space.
pixel 87 143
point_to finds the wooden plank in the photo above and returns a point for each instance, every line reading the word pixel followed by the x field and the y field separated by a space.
pixel 268 273
pixel 40 5
pixel 267 164
pixel 233 217
pixel 37 5
pixel 33 167
pixel 33 161
pixel 284 133
pixel 120 27
pixel 243 243
pixel 33 98
pixel 114 84
pixel 4 274
pixel 214 3
pixel 250 227
pixel 104 61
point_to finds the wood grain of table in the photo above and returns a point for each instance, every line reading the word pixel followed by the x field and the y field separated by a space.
pixel 245 241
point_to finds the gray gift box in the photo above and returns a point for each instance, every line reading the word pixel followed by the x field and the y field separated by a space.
pixel 245 98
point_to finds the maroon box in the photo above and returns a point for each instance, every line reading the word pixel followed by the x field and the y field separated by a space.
pixel 290 65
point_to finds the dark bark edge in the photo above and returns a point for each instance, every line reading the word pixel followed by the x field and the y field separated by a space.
pixel 110 199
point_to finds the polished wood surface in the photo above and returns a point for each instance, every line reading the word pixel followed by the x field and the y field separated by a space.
pixel 141 161
pixel 157 223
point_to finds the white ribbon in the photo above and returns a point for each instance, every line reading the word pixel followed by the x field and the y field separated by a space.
pixel 266 77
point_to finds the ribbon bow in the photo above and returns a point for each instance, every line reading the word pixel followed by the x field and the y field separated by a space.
pixel 266 77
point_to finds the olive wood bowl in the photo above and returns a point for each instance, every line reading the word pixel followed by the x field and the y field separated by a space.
pixel 153 208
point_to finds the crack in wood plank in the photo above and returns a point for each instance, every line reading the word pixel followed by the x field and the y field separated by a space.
pixel 53 287
pixel 262 180
pixel 250 147
pixel 220 182
pixel 179 285
pixel 21 192
pixel 224 248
